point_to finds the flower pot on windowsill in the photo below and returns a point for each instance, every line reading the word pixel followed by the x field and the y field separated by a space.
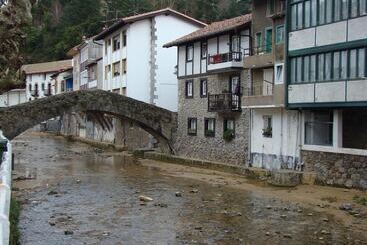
pixel 228 135
pixel 268 132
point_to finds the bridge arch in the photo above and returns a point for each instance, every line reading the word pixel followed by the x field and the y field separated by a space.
pixel 157 121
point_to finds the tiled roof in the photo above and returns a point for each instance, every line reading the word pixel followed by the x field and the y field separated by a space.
pixel 138 17
pixel 53 66
pixel 213 29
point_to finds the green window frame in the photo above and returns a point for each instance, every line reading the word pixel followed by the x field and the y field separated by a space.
pixel 258 40
pixel 268 45
pixel 339 65
pixel 280 34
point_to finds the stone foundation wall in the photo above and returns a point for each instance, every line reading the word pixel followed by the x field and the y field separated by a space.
pixel 337 169
pixel 211 148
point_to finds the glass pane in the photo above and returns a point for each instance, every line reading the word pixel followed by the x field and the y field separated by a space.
pixel 353 63
pixel 344 64
pixel 354 8
pixel 307 14
pixel 362 7
pixel 306 69
pixel 313 12
pixel 328 66
pixel 299 69
pixel 337 10
pixel 293 70
pixel 361 62
pixel 320 60
pixel 313 68
pixel 344 9
pixel 299 16
pixel 322 12
pixel 329 11
pixel 294 17
pixel 336 71
pixel 319 128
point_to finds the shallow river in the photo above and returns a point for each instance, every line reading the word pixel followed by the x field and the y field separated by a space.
pixel 79 195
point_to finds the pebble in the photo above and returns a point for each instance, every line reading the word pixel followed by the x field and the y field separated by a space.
pixel 269 207
pixel 310 214
pixel 267 233
pixel 68 232
pixel 283 216
pixel 325 219
pixel 194 191
pixel 178 194
pixel 287 235
pixel 346 207
pixel 145 199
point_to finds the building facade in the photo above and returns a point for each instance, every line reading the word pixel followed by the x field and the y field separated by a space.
pixel 135 62
pixel 13 97
pixel 326 81
pixel 273 129
pixel 211 122
pixel 38 77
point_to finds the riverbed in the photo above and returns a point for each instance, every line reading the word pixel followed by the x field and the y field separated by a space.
pixel 72 193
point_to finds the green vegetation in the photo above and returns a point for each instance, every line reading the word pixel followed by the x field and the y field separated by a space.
pixel 59 25
pixel 228 135
pixel 362 200
pixel 15 209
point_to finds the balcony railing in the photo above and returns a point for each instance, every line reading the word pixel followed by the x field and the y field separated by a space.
pixel 34 93
pixel 265 49
pixel 225 57
pixel 225 102
pixel 264 89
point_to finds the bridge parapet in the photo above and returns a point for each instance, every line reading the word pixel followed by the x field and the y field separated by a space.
pixel 5 188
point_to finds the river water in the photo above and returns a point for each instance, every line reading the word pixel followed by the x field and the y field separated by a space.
pixel 80 195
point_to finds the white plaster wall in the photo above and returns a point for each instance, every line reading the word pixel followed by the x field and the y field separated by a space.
pixel 357 90
pixel 284 141
pixel 357 28
pixel 330 92
pixel 138 60
pixel 37 79
pixel 197 57
pixel 166 84
pixel 332 33
pixel 301 93
pixel 224 44
pixel 13 97
pixel 181 60
pixel 302 39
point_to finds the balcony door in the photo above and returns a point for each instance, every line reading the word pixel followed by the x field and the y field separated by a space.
pixel 268 81
pixel 268 40
pixel 234 88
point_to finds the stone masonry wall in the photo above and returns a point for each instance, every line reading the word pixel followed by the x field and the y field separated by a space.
pixel 337 169
pixel 211 148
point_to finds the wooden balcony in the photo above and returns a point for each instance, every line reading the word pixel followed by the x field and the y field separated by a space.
pixel 225 102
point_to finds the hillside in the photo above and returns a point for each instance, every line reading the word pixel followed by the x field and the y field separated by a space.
pixel 59 25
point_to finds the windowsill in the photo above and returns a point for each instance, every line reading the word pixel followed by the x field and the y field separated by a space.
pixel 331 149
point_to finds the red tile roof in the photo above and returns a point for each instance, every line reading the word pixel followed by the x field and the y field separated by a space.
pixel 213 29
pixel 138 17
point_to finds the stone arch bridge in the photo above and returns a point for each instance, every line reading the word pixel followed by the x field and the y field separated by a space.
pixel 159 122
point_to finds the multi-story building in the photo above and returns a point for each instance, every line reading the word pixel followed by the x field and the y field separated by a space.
pixel 13 97
pixel 61 82
pixel 273 129
pixel 327 82
pixel 211 122
pixel 38 77
pixel 136 64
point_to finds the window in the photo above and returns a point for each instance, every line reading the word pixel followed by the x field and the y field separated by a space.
pixel 204 50
pixel 307 13
pixel 209 127
pixel 279 74
pixel 235 43
pixel 268 127
pixel 268 39
pixel 319 128
pixel 124 66
pixel 258 42
pixel 203 88
pixel 116 69
pixel 116 43
pixel 192 126
pixel 44 76
pixel 124 39
pixel 189 52
pixel 107 71
pixel 229 129
pixel 270 7
pixel 30 87
pixel 279 34
pixel 43 87
pixel 189 88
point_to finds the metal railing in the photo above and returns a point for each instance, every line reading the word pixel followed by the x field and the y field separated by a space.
pixel 265 49
pixel 224 102
pixel 225 57
pixel 264 89
pixel 5 188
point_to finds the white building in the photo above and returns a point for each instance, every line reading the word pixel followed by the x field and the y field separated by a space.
pixel 13 97
pixel 38 77
pixel 135 62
